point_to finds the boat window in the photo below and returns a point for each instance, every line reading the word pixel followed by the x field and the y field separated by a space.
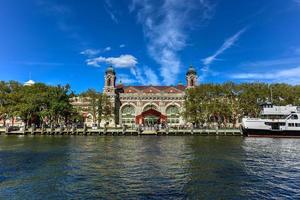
pixel 294 117
pixel 291 124
pixel 297 124
pixel 281 124
pixel 273 116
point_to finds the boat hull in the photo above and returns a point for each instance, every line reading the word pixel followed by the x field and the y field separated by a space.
pixel 270 133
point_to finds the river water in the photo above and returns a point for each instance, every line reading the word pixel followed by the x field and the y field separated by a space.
pixel 148 167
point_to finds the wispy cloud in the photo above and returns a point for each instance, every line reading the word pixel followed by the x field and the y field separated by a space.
pixel 226 45
pixel 166 26
pixel 90 52
pixel 145 76
pixel 110 11
pixel 123 61
pixel 94 52
pixel 282 62
pixel 107 49
pixel 52 8
pixel 151 76
pixel 297 1
pixel 290 75
pixel 126 79
pixel 122 45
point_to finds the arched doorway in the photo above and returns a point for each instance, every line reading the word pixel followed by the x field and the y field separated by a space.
pixel 150 117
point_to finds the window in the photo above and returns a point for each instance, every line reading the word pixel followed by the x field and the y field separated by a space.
pixel 297 124
pixel 192 82
pixel 294 117
pixel 172 114
pixel 128 110
pixel 128 115
pixel 172 110
pixel 291 124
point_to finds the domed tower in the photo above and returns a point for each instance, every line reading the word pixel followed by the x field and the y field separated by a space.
pixel 191 77
pixel 110 81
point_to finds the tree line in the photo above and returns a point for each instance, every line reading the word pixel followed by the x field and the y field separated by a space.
pixel 44 104
pixel 225 104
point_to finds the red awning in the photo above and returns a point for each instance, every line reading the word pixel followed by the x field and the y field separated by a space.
pixel 140 118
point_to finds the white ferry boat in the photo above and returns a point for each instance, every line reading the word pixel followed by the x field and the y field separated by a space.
pixel 274 121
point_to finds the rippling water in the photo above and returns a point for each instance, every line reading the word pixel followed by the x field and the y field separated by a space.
pixel 187 167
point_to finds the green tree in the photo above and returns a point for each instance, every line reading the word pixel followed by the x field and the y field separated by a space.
pixel 99 106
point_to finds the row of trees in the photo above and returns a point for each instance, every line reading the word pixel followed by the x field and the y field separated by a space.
pixel 100 106
pixel 43 104
pixel 223 104
pixel 227 103
pixel 36 104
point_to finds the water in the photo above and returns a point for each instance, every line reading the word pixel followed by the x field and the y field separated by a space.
pixel 150 167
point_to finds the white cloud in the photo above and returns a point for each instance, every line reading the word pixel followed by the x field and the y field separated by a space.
pixel 94 52
pixel 146 76
pixel 226 45
pixel 107 49
pixel 122 45
pixel 291 76
pixel 165 26
pixel 123 61
pixel 151 76
pixel 229 42
pixel 90 52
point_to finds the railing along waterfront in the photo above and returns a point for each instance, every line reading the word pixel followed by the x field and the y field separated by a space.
pixel 120 131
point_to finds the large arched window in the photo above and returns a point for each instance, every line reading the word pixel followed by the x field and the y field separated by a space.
pixel 173 115
pixel 128 110
pixel 172 111
pixel 128 115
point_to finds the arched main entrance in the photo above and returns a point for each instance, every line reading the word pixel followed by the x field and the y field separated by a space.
pixel 150 117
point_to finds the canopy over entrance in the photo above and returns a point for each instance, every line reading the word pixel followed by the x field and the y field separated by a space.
pixel 150 116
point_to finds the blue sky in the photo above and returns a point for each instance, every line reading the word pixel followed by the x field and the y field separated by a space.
pixel 149 42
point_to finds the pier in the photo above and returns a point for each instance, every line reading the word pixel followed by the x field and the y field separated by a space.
pixel 120 132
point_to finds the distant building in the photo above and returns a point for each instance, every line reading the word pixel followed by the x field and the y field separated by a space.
pixel 146 105
pixel 29 83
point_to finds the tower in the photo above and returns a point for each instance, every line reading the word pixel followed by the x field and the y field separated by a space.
pixel 191 77
pixel 110 81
